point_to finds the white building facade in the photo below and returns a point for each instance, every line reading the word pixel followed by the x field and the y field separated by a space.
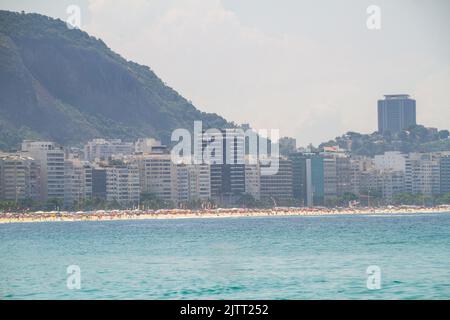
pixel 51 160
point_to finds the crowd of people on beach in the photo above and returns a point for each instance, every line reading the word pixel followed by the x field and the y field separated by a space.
pixel 9 217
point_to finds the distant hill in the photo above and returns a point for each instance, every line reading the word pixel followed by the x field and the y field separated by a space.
pixel 64 85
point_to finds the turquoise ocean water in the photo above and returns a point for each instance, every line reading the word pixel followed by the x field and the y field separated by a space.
pixel 229 258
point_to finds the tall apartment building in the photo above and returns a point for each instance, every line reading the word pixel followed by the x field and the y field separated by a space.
pixel 355 174
pixel 337 173
pixel 363 175
pixel 78 181
pixel 253 178
pixel 395 113
pixel 329 179
pixel 343 169
pixel 103 149
pixel 193 182
pixel 298 160
pixel 19 177
pixel 199 182
pixel 99 182
pixel 315 175
pixel 182 183
pixel 391 168
pixel 228 176
pixel 370 182
pixel 51 160
pixel 315 189
pixel 158 175
pixel 422 174
pixel 278 187
pixel 445 174
pixel 392 184
pixel 122 183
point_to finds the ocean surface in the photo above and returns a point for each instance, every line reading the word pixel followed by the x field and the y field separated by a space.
pixel 321 257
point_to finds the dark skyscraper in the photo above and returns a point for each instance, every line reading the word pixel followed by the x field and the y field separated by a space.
pixel 299 176
pixel 228 177
pixel 395 113
pixel 99 183
pixel 445 174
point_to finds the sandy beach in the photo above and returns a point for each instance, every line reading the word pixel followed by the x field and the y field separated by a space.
pixel 53 216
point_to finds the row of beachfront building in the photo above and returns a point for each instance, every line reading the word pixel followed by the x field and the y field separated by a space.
pixel 118 171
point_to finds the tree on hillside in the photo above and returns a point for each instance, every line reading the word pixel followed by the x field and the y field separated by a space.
pixel 444 134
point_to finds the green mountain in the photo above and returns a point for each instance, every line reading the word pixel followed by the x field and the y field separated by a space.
pixel 67 86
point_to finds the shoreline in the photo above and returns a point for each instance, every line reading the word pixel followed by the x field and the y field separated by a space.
pixel 117 215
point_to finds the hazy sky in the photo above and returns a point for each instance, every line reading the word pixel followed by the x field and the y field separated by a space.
pixel 310 68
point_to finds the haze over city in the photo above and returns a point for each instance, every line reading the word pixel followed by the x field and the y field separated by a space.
pixel 314 71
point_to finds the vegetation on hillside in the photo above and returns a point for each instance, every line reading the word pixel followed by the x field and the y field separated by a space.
pixel 414 139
